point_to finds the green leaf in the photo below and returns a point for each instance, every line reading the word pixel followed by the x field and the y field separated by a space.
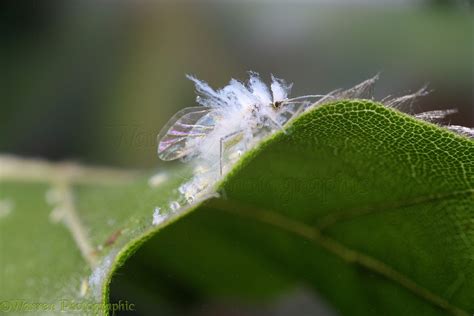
pixel 365 205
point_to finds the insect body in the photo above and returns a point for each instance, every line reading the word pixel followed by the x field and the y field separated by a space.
pixel 229 118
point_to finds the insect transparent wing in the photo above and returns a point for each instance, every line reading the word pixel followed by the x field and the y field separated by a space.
pixel 174 140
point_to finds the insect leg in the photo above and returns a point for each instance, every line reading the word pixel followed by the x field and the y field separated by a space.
pixel 223 142
pixel 298 111
pixel 276 124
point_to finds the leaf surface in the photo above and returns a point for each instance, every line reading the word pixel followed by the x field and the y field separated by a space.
pixel 365 205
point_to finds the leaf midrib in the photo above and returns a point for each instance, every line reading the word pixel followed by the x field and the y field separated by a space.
pixel 349 255
pixel 339 216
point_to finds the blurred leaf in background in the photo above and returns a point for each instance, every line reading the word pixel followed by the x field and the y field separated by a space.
pixel 95 81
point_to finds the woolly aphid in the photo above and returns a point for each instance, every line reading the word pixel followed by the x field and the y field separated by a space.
pixel 235 114
pixel 231 120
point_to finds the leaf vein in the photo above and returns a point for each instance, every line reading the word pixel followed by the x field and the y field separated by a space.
pixel 336 248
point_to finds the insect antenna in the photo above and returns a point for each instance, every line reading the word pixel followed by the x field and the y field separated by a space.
pixel 305 97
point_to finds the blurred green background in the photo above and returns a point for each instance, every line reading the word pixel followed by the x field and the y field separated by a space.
pixel 95 81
